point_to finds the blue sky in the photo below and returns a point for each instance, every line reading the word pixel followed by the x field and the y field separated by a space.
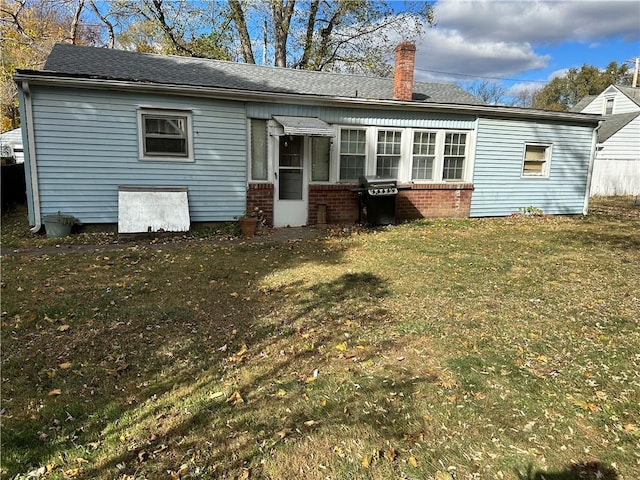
pixel 527 42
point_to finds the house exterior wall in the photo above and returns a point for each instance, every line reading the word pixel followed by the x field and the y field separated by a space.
pixel 499 187
pixel 87 146
pixel 621 103
pixel 616 169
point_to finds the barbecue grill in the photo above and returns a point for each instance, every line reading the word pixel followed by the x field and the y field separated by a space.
pixel 378 200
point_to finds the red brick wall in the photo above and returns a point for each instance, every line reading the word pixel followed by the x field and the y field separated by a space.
pixel 342 204
pixel 261 195
pixel 432 201
pixel 420 201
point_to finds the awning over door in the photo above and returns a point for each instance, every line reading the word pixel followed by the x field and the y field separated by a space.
pixel 311 126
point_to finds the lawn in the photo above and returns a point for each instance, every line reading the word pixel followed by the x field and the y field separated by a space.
pixel 467 349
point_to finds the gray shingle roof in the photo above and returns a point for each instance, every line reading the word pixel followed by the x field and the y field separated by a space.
pixel 631 92
pixel 582 104
pixel 186 71
pixel 613 124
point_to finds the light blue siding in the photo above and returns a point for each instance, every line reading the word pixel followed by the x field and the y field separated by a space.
pixel 364 116
pixel 500 189
pixel 87 145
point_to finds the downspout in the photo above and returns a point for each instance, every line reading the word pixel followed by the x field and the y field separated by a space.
pixel 594 144
pixel 35 192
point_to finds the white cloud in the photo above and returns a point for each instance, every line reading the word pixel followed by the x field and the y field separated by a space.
pixel 540 22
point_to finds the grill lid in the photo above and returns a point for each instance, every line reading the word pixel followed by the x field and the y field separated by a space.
pixel 374 181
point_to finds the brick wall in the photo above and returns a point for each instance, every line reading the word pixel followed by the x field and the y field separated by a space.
pixel 432 201
pixel 261 195
pixel 420 201
pixel 342 204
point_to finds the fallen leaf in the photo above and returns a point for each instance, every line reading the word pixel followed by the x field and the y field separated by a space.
pixel 235 398
pixel 366 462
pixel 413 462
pixel 391 454
pixel 443 475
pixel 64 328
pixel 65 365
pixel 55 392
pixel 341 347
pixel 310 423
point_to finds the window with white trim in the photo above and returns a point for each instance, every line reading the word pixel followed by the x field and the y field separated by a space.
pixel 165 135
pixel 423 156
pixel 353 153
pixel 388 153
pixel 608 105
pixel 536 160
pixel 455 148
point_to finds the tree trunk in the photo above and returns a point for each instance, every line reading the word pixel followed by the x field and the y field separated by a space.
pixel 308 38
pixel 238 17
pixel 108 24
pixel 76 22
pixel 281 20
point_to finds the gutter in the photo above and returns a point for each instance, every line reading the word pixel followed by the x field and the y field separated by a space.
pixel 40 77
pixel 594 146
pixel 33 167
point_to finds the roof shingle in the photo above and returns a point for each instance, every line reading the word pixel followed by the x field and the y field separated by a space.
pixel 113 64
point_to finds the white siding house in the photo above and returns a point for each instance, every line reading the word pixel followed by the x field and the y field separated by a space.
pixel 616 169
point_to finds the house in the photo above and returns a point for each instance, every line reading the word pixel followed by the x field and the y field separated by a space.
pixel 103 126
pixel 11 143
pixel 616 168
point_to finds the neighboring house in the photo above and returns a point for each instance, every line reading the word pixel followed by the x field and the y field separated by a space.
pixel 11 141
pixel 99 123
pixel 616 169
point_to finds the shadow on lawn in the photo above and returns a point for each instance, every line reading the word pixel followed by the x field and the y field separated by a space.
pixel 577 471
pixel 139 365
pixel 238 433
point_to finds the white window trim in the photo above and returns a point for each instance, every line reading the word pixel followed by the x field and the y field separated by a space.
pixel 613 104
pixel 438 163
pixel 402 156
pixel 547 160
pixel 367 152
pixel 168 112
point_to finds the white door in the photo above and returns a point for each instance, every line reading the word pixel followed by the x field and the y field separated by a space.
pixel 291 183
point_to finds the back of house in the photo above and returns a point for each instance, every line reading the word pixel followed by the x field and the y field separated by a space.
pixel 223 138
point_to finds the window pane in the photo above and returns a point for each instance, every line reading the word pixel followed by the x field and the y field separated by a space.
pixel 387 167
pixel 165 126
pixel 166 146
pixel 351 167
pixel 388 142
pixel 320 149
pixel 533 168
pixel 422 168
pixel 424 143
pixel 535 152
pixel 290 186
pixel 258 149
pixel 291 151
pixel 452 168
pixel 353 142
pixel 165 135
pixel 454 144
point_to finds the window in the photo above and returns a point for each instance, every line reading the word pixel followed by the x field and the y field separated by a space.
pixel 424 154
pixel 165 135
pixel 259 169
pixel 536 160
pixel 320 157
pixel 353 153
pixel 608 106
pixel 388 153
pixel 454 156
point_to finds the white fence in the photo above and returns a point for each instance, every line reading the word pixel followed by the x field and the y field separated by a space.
pixel 615 177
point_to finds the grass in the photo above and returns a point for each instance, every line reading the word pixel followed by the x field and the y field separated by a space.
pixel 467 349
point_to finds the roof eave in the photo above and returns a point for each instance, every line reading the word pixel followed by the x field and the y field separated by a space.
pixel 49 78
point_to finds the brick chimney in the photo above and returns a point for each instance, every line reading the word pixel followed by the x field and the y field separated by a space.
pixel 403 73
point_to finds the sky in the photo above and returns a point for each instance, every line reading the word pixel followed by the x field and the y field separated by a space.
pixel 526 43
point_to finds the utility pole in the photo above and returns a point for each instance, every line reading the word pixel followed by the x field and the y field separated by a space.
pixel 635 73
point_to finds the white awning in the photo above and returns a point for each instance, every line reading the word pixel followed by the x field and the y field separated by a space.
pixel 310 126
